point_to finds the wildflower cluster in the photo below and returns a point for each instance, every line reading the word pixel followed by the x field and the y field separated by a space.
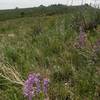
pixel 81 39
pixel 34 85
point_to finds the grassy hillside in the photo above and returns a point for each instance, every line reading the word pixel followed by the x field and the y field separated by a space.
pixel 43 11
pixel 43 40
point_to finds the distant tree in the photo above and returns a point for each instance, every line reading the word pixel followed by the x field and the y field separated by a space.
pixel 42 6
pixel 86 4
pixel 22 14
pixel 16 8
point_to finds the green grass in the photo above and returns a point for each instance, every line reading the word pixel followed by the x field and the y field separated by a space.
pixel 45 45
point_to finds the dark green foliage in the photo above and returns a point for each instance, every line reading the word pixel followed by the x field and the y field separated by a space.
pixel 22 14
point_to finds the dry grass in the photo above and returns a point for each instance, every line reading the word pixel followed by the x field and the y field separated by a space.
pixel 11 74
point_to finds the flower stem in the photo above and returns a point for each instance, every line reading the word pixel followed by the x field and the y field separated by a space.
pixel 30 97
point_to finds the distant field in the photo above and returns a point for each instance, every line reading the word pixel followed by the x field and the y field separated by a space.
pixel 44 11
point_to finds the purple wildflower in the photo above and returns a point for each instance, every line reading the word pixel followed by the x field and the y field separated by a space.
pixel 37 82
pixel 82 39
pixel 28 87
pixel 45 85
pixel 32 85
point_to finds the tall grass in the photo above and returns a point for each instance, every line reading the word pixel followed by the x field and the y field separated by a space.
pixel 46 45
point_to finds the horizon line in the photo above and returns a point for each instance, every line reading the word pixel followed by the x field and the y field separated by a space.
pixel 92 5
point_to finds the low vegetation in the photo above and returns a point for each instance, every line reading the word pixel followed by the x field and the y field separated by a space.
pixel 49 41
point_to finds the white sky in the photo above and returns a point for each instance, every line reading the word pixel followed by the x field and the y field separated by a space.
pixel 9 4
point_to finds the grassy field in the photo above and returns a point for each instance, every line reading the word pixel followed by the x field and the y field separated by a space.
pixel 45 43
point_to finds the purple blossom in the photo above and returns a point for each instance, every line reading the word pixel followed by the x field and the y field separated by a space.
pixel 37 82
pixel 45 85
pixel 28 87
pixel 32 85
pixel 82 39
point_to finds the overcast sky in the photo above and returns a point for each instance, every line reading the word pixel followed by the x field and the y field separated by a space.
pixel 9 4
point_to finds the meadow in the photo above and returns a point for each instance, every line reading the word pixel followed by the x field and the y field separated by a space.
pixel 46 40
